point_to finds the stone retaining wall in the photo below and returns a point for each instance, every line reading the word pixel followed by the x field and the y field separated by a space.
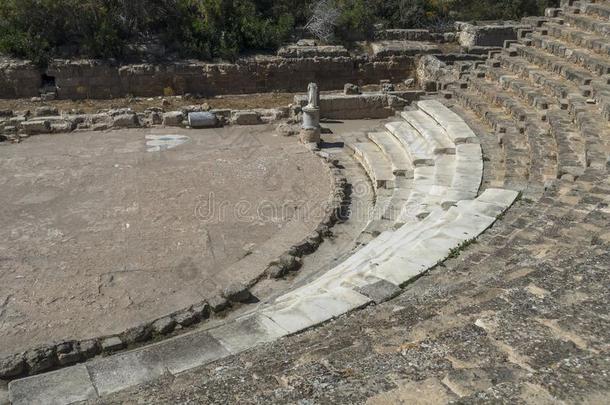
pixel 487 33
pixel 90 79
pixel 359 106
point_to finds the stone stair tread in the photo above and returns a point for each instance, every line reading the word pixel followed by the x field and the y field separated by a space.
pixel 403 256
pixel 416 147
pixel 375 164
pixel 587 22
pixel 580 56
pixel 458 131
pixel 435 135
pixel 398 157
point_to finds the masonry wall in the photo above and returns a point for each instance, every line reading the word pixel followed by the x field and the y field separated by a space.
pixel 98 79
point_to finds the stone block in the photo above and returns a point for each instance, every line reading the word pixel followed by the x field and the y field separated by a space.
pixel 310 135
pixel 46 111
pixel 66 386
pixel 350 88
pixel 36 127
pixel 173 119
pixel 245 118
pixel 129 120
pixel 247 332
pixel 384 49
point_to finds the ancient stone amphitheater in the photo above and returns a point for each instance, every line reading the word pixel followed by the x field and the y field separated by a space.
pixel 469 262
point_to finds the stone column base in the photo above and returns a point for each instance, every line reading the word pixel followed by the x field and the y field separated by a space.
pixel 310 135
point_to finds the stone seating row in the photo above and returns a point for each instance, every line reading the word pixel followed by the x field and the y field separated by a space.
pixel 561 29
pixel 588 23
pixel 397 256
pixel 457 166
pixel 585 115
pixel 534 134
pixel 374 162
pixel 516 160
pixel 571 152
pixel 417 167
pixel 601 10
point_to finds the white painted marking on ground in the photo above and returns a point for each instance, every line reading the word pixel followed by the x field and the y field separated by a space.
pixel 157 143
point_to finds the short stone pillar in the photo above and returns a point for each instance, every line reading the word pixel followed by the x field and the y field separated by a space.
pixel 310 131
pixel 311 117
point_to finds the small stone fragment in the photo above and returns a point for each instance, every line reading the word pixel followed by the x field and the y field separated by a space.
pixel 218 303
pixel 186 317
pixel 40 359
pixel 164 325
pixel 112 344
pixel 237 292
pixel 351 89
pixel 173 119
pixel 12 366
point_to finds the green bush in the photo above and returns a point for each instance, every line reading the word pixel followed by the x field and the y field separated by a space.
pixel 206 29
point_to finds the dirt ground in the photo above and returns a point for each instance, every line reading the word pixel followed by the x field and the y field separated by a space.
pixel 100 231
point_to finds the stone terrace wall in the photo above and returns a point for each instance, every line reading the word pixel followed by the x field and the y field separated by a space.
pixel 101 79
pixel 19 79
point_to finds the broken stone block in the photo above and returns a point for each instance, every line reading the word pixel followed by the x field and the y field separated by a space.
pixel 173 118
pixel 46 111
pixel 12 366
pixel 126 121
pixel 112 344
pixel 36 127
pixel 350 88
pixel 237 292
pixel 245 118
pixel 163 326
pixel 40 359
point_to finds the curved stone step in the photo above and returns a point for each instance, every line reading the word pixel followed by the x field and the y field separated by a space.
pixel 430 185
pixel 394 151
pixel 457 130
pixel 585 58
pixel 375 163
pixel 409 251
pixel 599 10
pixel 468 174
pixel 550 62
pixel 588 23
pixel 578 37
pixel 431 131
pixel 417 148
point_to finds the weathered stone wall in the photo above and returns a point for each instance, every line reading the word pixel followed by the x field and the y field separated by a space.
pixel 358 106
pixel 19 79
pixel 103 79
pixel 487 33
pixel 434 70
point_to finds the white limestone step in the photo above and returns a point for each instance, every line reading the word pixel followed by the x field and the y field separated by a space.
pixel 457 130
pixel 430 130
pixel 317 306
pixel 419 151
pixel 407 252
pixel 375 164
pixel 396 154
pixel 430 185
pixel 468 174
